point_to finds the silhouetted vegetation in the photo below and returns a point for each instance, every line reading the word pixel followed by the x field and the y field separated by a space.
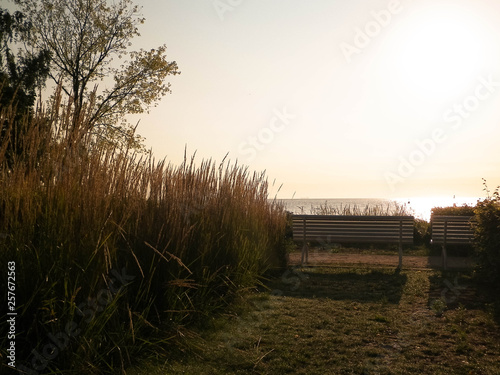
pixel 124 250
pixel 464 210
pixel 487 238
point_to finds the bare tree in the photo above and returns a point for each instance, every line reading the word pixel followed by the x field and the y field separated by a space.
pixel 89 43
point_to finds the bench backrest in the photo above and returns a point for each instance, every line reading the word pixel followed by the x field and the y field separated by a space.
pixel 453 230
pixel 353 229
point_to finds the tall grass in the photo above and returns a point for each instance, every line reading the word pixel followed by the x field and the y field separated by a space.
pixel 390 209
pixel 123 249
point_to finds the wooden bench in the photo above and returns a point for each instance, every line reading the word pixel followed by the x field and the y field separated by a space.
pixel 353 229
pixel 451 230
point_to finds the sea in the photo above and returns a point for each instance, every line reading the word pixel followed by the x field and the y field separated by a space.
pixel 419 207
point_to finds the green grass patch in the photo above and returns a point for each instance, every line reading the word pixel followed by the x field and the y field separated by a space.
pixel 378 249
pixel 349 321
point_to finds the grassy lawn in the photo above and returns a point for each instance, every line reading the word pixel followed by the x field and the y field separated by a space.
pixel 375 250
pixel 349 321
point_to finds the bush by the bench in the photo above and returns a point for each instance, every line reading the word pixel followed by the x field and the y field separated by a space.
pixel 421 232
pixel 464 210
pixel 487 238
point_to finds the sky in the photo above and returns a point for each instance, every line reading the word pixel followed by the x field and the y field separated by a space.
pixel 333 98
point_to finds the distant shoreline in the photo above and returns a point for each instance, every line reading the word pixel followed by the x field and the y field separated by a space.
pixel 420 207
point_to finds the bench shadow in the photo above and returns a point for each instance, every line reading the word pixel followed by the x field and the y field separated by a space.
pixel 340 284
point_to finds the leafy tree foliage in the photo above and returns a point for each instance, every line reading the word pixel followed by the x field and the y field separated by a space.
pixel 89 42
pixel 21 75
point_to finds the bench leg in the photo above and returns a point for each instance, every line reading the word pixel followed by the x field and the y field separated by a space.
pixel 400 266
pixel 305 254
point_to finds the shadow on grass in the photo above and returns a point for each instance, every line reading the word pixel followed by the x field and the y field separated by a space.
pixel 450 290
pixel 341 284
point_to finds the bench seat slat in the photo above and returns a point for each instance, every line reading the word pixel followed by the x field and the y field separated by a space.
pixel 458 230
pixel 345 229
pixel 349 239
pixel 353 223
pixel 352 218
pixel 355 231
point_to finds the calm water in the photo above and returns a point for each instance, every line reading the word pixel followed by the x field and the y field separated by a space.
pixel 419 207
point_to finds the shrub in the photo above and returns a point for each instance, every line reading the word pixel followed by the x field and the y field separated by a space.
pixel 464 210
pixel 487 238
pixel 421 232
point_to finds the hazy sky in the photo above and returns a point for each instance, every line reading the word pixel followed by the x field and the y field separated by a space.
pixel 333 98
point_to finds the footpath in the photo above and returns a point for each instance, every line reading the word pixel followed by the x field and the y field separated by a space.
pixel 317 258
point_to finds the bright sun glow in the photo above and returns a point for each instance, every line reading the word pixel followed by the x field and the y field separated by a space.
pixel 436 52
pixel 421 207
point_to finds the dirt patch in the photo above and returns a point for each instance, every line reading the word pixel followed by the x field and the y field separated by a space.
pixel 435 262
